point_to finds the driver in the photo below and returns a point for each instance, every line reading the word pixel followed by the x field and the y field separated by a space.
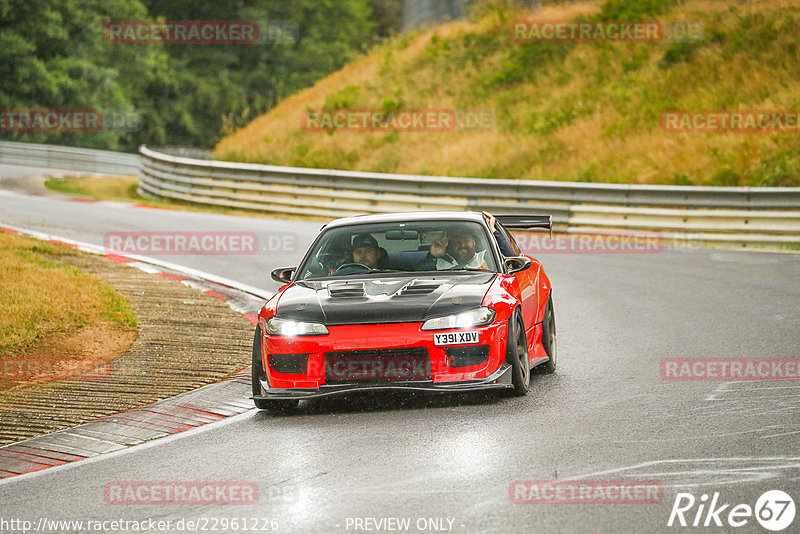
pixel 457 249
pixel 367 251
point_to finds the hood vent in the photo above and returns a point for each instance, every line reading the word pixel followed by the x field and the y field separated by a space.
pixel 419 287
pixel 346 290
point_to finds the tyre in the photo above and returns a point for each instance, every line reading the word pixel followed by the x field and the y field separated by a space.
pixel 549 339
pixel 258 373
pixel 517 355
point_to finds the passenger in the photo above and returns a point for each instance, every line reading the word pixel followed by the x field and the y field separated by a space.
pixel 456 250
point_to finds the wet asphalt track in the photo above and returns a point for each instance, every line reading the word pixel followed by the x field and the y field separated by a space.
pixel 605 415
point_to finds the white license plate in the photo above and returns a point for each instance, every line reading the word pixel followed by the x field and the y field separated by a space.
pixel 456 338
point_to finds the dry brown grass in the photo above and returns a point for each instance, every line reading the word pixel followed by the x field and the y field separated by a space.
pixel 120 188
pixel 592 114
pixel 40 296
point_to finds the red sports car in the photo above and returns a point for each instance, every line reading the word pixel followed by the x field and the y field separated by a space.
pixel 435 301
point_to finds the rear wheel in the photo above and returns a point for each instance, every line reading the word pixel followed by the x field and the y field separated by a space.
pixel 548 339
pixel 517 355
pixel 258 374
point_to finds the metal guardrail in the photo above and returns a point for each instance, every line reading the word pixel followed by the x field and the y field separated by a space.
pixel 718 214
pixel 769 215
pixel 68 158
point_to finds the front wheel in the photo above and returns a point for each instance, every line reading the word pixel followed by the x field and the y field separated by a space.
pixel 517 355
pixel 548 340
pixel 258 374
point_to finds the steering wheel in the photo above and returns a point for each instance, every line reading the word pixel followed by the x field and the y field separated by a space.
pixel 366 268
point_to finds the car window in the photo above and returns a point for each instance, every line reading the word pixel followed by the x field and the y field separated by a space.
pixel 505 241
pixel 407 246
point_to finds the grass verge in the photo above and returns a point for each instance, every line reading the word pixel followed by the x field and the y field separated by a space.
pixel 41 296
pixel 123 189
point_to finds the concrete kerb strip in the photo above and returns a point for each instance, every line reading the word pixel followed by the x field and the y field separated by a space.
pixel 182 412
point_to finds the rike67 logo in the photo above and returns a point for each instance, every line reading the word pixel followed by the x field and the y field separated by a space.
pixel 774 510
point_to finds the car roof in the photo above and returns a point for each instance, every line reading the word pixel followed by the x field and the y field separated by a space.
pixel 409 216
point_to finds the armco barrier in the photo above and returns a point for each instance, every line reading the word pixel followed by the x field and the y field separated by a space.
pixel 68 158
pixel 747 215
pixel 733 215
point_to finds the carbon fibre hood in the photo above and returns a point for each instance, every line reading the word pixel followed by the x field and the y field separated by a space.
pixel 391 299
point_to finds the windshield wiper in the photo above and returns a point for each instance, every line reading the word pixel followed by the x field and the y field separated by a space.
pixel 470 269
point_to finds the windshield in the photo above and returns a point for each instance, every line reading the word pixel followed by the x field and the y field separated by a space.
pixel 399 247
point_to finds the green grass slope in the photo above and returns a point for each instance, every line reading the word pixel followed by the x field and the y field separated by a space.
pixel 587 112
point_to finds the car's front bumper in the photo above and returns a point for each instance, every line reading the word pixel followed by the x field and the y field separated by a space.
pixel 444 372
pixel 500 379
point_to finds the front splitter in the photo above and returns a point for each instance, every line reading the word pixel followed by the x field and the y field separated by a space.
pixel 500 379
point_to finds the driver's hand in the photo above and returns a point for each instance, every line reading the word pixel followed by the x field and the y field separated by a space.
pixel 438 247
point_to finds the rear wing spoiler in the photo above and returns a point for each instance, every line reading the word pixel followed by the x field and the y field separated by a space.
pixel 526 222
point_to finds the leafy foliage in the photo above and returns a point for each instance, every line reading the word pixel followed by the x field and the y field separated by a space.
pixel 54 55
pixel 633 9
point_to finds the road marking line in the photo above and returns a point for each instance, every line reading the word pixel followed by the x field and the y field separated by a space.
pixel 720 389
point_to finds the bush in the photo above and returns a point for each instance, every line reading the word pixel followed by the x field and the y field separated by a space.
pixel 345 98
pixel 633 9
pixel 527 59
pixel 678 53
pixel 781 170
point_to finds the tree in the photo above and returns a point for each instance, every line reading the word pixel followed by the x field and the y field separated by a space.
pixel 55 55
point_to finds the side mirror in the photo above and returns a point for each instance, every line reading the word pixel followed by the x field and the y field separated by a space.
pixel 516 264
pixel 283 275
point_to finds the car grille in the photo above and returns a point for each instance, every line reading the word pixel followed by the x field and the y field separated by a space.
pixel 377 365
pixel 288 363
pixel 466 356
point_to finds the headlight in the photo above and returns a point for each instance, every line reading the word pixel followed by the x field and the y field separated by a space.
pixel 467 319
pixel 287 327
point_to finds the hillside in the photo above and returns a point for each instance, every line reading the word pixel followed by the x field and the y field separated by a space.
pixel 588 111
